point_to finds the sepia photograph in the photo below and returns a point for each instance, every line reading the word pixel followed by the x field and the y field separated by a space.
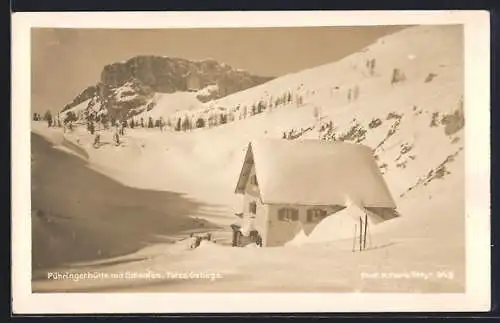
pixel 250 159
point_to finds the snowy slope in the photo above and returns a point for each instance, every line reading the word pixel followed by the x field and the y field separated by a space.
pixel 78 110
pixel 168 104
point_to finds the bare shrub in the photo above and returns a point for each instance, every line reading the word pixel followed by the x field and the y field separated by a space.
pixel 390 133
pixel 430 77
pixel 375 123
pixel 356 133
pixel 397 76
pixel 383 168
pixel 394 115
pixel 454 122
pixel 402 164
pixel 435 119
pixel 405 148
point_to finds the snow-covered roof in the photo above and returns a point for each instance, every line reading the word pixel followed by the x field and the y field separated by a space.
pixel 314 172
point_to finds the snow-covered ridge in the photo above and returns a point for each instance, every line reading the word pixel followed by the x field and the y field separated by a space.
pixel 141 77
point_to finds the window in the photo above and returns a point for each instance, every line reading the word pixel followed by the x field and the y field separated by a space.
pixel 288 214
pixel 253 180
pixel 252 207
pixel 315 215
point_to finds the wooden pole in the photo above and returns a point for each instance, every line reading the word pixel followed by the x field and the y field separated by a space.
pixel 360 233
pixel 366 229
pixel 370 240
pixel 354 237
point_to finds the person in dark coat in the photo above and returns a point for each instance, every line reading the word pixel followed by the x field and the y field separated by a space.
pixel 97 140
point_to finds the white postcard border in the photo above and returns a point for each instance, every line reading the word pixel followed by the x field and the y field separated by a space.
pixel 477 95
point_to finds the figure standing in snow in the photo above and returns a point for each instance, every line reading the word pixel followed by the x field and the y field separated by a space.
pixel 356 92
pixel 97 140
pixel 116 136
pixel 162 124
pixel 122 129
pixel 192 240
pixel 91 127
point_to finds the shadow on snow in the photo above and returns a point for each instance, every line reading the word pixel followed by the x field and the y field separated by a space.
pixel 80 215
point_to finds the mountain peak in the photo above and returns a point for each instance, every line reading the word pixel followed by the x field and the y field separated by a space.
pixel 144 75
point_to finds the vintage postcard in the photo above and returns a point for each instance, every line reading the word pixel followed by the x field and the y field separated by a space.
pixel 250 162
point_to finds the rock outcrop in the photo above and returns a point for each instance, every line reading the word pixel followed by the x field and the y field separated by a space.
pixel 140 77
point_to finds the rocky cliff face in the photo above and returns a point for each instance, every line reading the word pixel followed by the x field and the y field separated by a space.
pixel 140 77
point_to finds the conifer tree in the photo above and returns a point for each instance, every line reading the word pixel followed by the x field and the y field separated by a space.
pixel 178 125
pixel 186 124
pixel 200 123
pixel 223 118
pixel 244 112
pixel 356 92
pixel 48 117
pixel 104 121
pixel 70 117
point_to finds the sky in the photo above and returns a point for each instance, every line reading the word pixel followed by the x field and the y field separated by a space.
pixel 65 61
